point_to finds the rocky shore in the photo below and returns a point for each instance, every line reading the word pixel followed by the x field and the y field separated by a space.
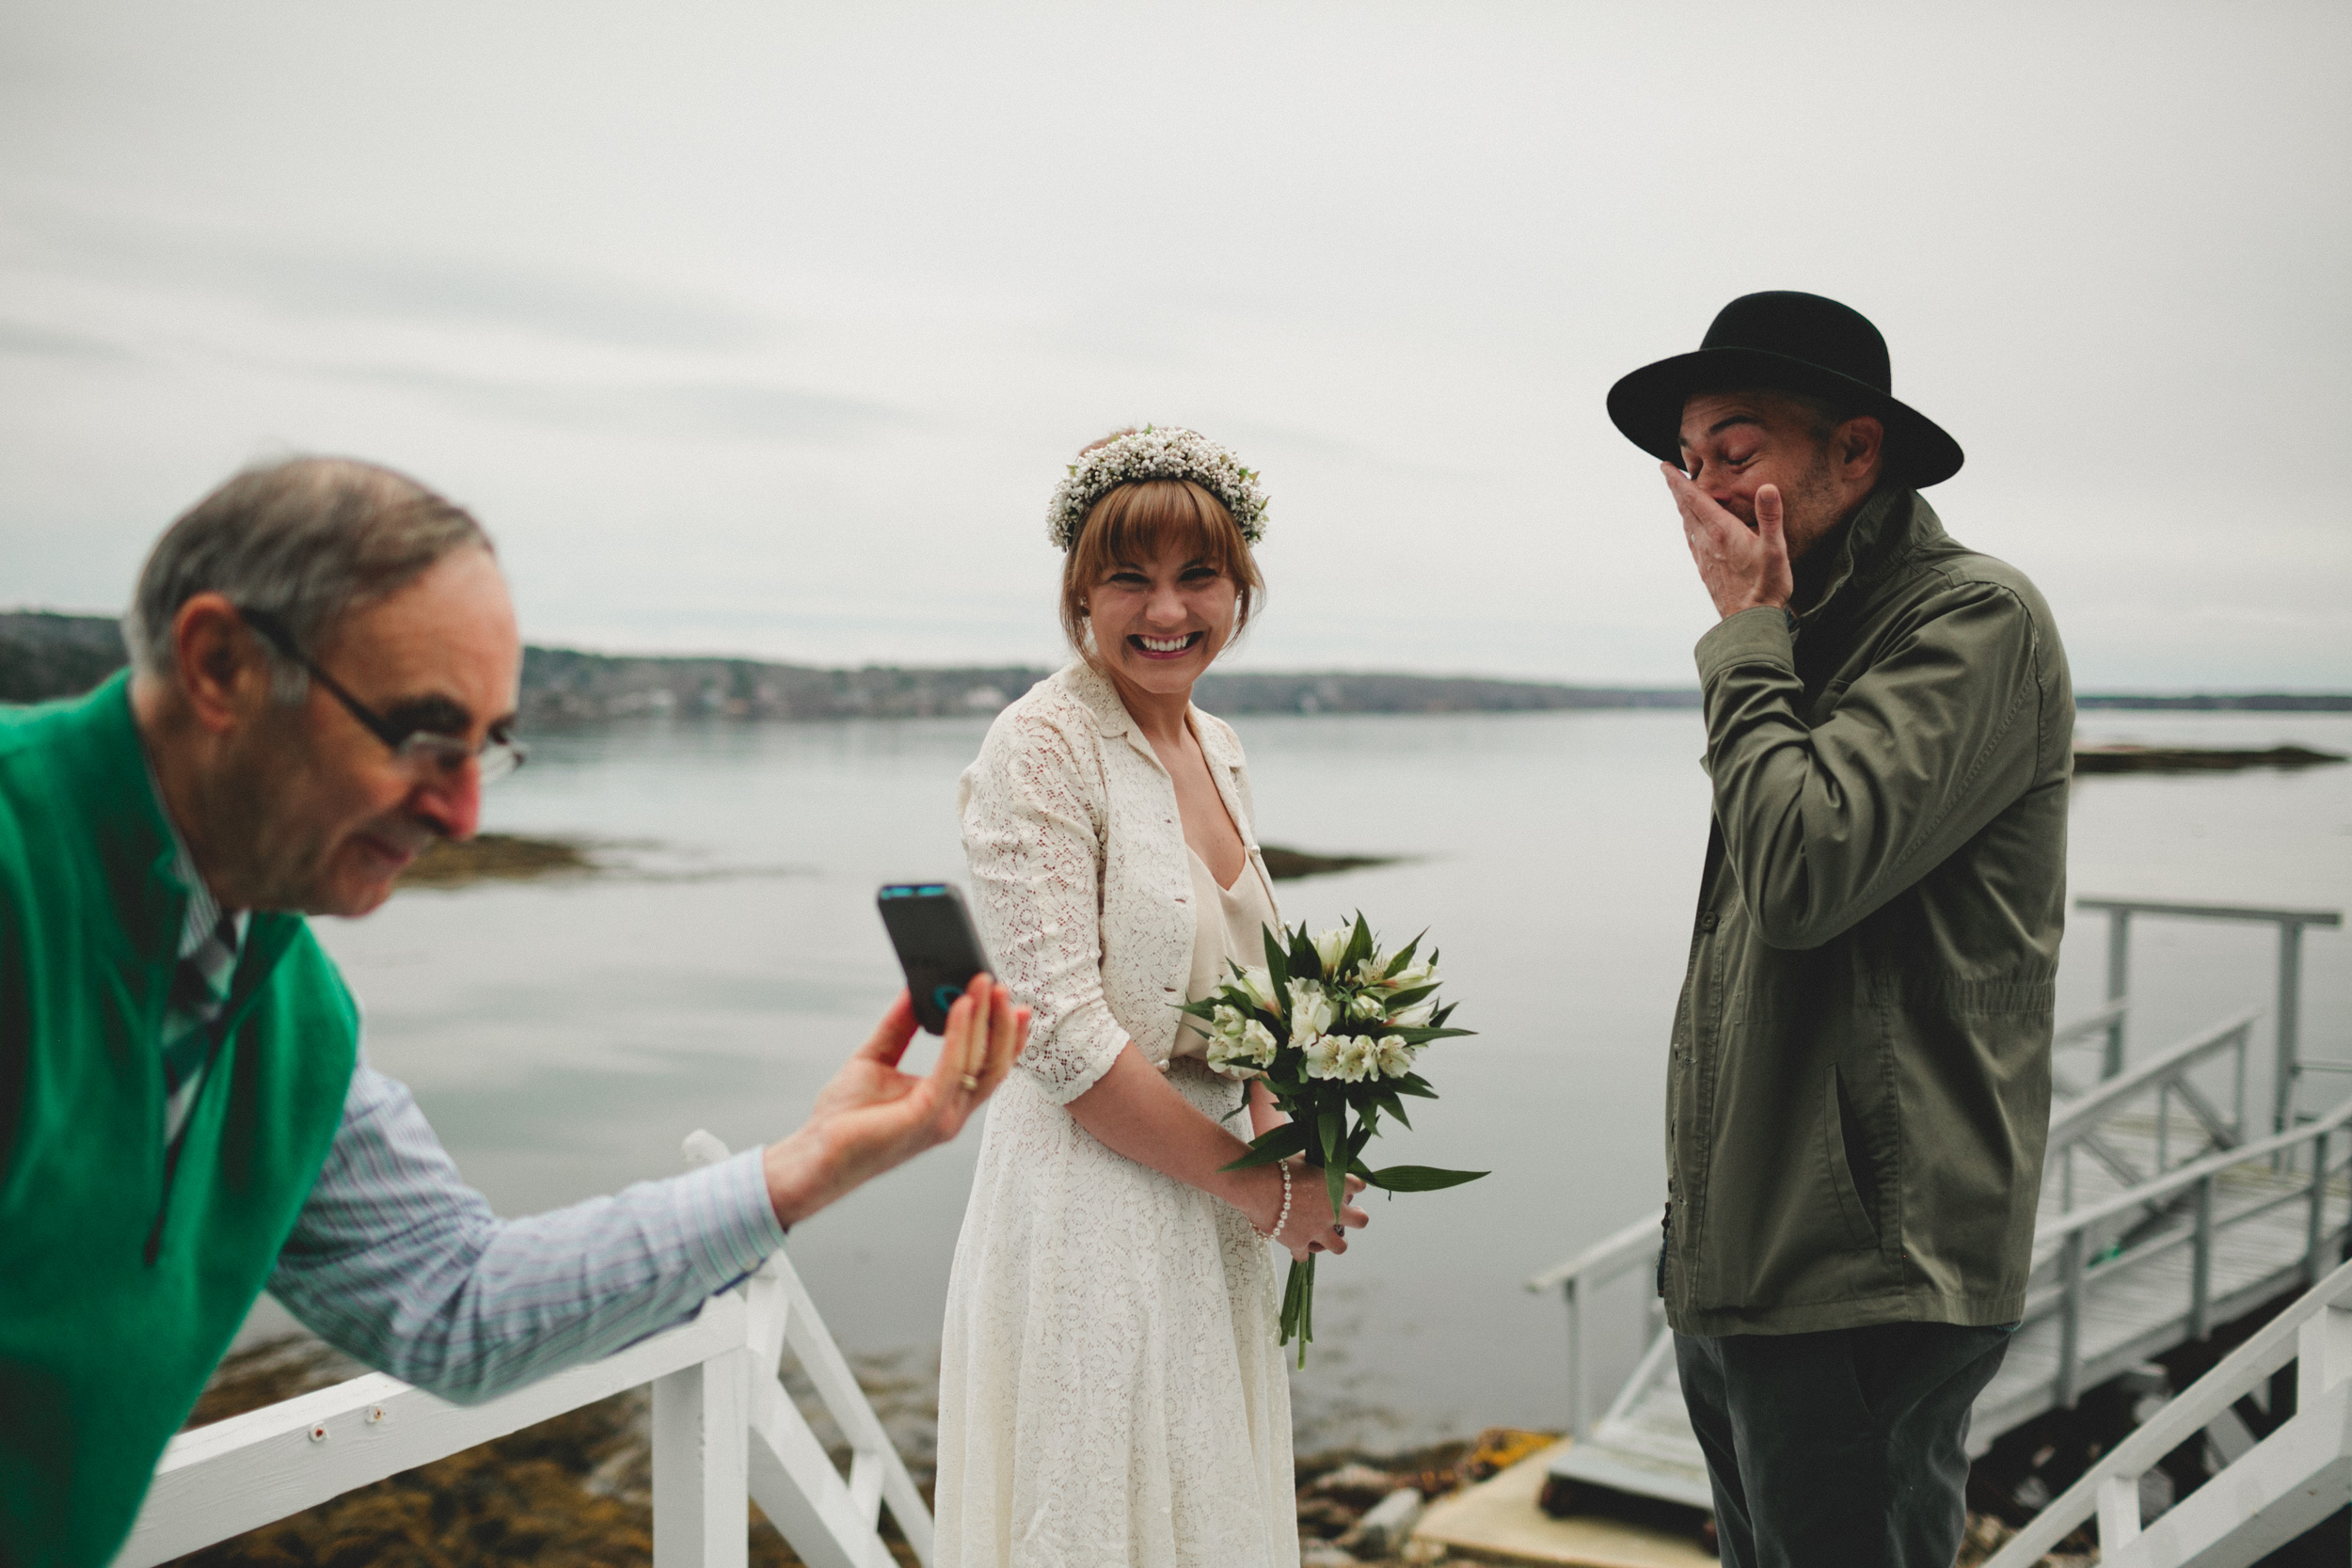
pixel 575 1491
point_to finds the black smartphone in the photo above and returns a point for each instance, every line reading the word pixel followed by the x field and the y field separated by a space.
pixel 937 946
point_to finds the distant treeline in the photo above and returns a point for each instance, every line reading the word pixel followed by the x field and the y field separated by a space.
pixel 44 655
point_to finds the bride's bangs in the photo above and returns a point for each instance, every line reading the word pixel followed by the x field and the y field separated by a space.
pixel 1137 523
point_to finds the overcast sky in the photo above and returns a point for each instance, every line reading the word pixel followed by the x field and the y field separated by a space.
pixel 767 329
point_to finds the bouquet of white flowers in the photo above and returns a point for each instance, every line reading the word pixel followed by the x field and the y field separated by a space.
pixel 1333 1025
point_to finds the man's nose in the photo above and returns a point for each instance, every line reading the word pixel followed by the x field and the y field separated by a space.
pixel 452 801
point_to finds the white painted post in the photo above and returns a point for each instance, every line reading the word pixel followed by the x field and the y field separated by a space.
pixel 2118 1510
pixel 700 1471
pixel 2323 1354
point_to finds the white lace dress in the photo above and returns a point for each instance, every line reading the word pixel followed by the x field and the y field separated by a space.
pixel 1110 1390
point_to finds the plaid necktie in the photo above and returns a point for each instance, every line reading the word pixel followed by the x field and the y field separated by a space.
pixel 199 988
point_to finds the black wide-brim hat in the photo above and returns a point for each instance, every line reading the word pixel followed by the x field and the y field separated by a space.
pixel 1792 343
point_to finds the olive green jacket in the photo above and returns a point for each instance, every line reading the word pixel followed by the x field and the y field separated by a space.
pixel 1859 1093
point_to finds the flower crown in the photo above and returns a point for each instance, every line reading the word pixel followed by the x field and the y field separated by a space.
pixel 1155 452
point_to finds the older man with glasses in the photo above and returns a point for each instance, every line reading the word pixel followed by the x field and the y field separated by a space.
pixel 324 672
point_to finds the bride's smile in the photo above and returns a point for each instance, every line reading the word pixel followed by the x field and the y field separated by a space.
pixel 1166 647
pixel 1161 621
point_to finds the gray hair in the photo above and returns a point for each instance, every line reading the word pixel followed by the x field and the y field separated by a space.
pixel 309 539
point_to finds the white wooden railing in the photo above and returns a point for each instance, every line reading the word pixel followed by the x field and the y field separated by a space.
pixel 723 1429
pixel 2274 1492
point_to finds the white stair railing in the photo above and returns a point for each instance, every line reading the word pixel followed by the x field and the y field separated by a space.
pixel 2274 1492
pixel 723 1429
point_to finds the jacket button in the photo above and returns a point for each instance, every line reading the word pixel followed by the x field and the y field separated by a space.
pixel 1707 921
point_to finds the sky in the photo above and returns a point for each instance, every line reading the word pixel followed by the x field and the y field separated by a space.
pixel 768 328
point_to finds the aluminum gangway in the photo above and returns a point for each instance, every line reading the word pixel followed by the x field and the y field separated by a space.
pixel 2163 1213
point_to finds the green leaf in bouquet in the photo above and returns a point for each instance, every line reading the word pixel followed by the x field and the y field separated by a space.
pixel 1206 1007
pixel 1394 1106
pixel 1333 1125
pixel 1278 967
pixel 1304 961
pixel 1412 1083
pixel 1420 1179
pixel 1330 1130
pixel 1423 1035
pixel 1404 957
pixel 1359 945
pixel 1280 1144
pixel 1396 1002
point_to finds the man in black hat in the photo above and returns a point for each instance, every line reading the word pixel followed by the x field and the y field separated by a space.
pixel 1859 1089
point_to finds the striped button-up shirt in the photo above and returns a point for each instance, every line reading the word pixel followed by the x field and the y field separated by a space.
pixel 398 1263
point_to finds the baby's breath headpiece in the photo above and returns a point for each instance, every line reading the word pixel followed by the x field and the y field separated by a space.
pixel 1164 452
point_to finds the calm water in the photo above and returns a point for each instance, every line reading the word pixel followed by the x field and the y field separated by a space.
pixel 564 1037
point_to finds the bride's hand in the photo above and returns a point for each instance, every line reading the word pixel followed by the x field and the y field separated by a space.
pixel 1311 1228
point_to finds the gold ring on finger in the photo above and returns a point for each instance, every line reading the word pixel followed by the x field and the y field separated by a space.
pixel 971 1084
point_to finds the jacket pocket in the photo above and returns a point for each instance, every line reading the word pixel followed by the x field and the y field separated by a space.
pixel 1843 1148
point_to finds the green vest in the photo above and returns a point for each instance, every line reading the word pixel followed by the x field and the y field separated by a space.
pixel 122 1281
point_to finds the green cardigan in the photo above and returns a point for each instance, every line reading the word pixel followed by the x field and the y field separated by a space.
pixel 123 1277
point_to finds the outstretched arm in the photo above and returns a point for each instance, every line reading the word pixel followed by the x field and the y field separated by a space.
pixel 396 1262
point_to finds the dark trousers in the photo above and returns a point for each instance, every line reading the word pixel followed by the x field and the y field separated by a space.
pixel 1846 1448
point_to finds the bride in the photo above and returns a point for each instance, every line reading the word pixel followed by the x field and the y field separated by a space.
pixel 1110 1390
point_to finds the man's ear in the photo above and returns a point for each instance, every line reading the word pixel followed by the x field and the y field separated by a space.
pixel 219 664
pixel 1860 443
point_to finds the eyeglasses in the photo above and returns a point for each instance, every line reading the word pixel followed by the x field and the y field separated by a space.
pixel 417 749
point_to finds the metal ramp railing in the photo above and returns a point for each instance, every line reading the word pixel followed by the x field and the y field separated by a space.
pixel 2158 1263
pixel 723 1429
pixel 2289 1065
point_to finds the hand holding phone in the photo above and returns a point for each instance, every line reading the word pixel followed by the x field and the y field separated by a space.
pixel 937 946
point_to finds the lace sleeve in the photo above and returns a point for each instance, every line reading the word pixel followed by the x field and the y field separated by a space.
pixel 1032 833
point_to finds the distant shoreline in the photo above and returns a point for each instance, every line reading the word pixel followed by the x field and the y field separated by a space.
pixel 44 655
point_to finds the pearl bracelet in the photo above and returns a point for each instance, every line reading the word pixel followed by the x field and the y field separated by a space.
pixel 1283 1218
